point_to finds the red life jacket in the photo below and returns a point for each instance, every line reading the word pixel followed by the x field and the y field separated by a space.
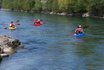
pixel 78 30
pixel 12 24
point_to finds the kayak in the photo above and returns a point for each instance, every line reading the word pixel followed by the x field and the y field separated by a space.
pixel 79 35
pixel 12 28
pixel 37 24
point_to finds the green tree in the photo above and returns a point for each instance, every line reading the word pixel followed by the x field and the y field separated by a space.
pixel 63 5
pixel 94 7
pixel 37 5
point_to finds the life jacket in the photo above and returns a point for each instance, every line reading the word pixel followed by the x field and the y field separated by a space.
pixel 12 24
pixel 41 22
pixel 37 22
pixel 78 30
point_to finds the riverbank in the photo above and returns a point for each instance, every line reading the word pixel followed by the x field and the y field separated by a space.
pixel 86 14
pixel 8 46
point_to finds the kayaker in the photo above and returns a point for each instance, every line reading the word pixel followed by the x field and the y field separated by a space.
pixel 79 29
pixel 37 21
pixel 41 22
pixel 12 24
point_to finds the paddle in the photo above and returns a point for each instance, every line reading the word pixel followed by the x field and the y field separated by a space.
pixel 5 28
pixel 17 22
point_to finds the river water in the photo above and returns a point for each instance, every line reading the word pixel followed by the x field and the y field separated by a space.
pixel 52 46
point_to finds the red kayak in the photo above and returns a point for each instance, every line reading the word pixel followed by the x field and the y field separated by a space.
pixel 38 24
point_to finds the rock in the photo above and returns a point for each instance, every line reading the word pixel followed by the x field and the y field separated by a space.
pixel 5 9
pixel 63 13
pixel 4 55
pixel 8 45
pixel 3 39
pixel 52 13
pixel 86 15
pixel 70 14
pixel 8 50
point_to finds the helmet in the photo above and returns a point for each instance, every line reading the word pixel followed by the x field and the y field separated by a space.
pixel 79 26
pixel 38 20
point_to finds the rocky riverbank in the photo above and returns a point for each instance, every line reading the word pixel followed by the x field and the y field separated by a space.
pixel 8 46
pixel 86 14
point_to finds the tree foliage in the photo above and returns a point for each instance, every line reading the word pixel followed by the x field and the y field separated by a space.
pixel 95 7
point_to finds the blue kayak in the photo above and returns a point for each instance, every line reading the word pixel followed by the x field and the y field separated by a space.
pixel 79 35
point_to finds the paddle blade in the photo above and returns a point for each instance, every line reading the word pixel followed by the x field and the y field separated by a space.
pixel 5 28
pixel 18 24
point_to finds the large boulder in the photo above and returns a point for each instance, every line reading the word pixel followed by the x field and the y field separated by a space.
pixel 8 45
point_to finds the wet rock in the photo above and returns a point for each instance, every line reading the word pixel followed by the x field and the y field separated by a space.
pixel 3 55
pixel 86 15
pixel 70 14
pixel 8 45
pixel 63 13
pixel 8 50
pixel 52 13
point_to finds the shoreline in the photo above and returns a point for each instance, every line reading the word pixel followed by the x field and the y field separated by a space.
pixel 84 15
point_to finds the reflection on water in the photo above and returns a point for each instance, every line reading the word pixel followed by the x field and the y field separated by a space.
pixel 52 46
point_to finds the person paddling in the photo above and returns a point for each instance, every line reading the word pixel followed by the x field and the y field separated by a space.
pixel 12 24
pixel 38 21
pixel 41 22
pixel 79 29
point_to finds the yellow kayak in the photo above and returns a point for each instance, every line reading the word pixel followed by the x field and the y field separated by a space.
pixel 12 28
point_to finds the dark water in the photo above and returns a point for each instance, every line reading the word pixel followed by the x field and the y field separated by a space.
pixel 52 46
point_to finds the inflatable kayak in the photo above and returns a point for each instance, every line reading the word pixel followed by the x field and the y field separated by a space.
pixel 37 24
pixel 12 28
pixel 79 35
